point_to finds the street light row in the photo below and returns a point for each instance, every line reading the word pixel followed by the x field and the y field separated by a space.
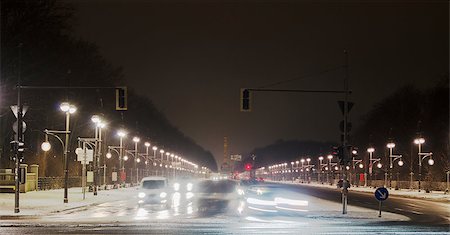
pixel 177 162
pixel 282 168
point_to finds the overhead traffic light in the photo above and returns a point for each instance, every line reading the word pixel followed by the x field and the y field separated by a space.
pixel 345 154
pixel 245 100
pixel 121 99
pixel 248 167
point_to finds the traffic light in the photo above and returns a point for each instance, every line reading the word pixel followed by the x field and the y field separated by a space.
pixel 248 167
pixel 245 100
pixel 17 146
pixel 121 99
pixel 346 154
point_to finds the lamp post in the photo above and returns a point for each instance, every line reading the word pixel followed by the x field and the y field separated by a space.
pixel 292 171
pixel 392 159
pixel 147 145
pixel 166 164
pixel 390 146
pixel 370 150
pixel 136 141
pixel 422 156
pixel 68 109
pixel 99 124
pixel 307 170
pixel 302 161
pixel 319 173
pixel 329 157
pixel 121 135
pixel 162 160
pixel 109 155
pixel 154 148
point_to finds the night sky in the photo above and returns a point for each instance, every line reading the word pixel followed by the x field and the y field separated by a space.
pixel 192 57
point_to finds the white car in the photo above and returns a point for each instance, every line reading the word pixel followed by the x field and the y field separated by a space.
pixel 154 190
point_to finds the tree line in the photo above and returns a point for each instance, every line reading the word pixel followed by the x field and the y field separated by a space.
pixel 39 47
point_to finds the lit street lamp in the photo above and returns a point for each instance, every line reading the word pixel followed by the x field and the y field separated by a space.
pixel 422 156
pixel 329 157
pixel 121 135
pixel 68 109
pixel 392 159
pixel 147 145
pixel 99 124
pixel 136 141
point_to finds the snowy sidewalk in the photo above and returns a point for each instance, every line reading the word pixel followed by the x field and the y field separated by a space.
pixel 435 196
pixel 37 203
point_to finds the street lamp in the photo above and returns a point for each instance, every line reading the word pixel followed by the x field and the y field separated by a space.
pixel 307 170
pixel 136 141
pixel 370 150
pixel 392 159
pixel 122 134
pixel 328 168
pixel 147 145
pixel 162 159
pixel 46 146
pixel 320 172
pixel 99 124
pixel 68 109
pixel 422 156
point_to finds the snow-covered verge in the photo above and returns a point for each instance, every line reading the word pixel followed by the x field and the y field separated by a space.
pixel 435 196
pixel 36 203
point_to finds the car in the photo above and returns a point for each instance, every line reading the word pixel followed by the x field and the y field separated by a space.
pixel 271 199
pixel 154 190
pixel 214 195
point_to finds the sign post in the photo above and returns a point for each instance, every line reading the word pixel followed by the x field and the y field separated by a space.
pixel 381 194
pixel 84 155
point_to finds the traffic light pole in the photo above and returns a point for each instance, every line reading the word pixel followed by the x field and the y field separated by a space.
pixel 345 184
pixel 17 152
pixel 19 137
pixel 246 107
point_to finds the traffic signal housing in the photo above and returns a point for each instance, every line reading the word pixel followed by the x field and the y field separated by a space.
pixel 121 99
pixel 246 105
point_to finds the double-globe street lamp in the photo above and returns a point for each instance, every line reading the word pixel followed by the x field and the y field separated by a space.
pixel 68 109
pixel 422 156
pixel 392 159
pixel 122 134
pixel 99 125
pixel 136 156
pixel 372 161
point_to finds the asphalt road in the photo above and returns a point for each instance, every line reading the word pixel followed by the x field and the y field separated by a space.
pixel 420 211
pixel 217 213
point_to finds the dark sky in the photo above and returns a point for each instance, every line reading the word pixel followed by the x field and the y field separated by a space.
pixel 192 57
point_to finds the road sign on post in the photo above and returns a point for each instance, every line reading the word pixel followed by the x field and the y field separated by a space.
pixel 236 157
pixel 381 194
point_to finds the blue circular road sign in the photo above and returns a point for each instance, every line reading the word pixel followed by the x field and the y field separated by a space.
pixel 381 194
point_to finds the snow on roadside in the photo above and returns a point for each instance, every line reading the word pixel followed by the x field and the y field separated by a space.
pixel 44 202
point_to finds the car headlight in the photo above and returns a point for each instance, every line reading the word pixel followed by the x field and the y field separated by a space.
pixel 259 191
pixel 141 195
pixel 176 186
pixel 240 191
pixel 163 194
pixel 189 186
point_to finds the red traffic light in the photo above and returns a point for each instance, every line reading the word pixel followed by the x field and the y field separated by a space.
pixel 248 166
